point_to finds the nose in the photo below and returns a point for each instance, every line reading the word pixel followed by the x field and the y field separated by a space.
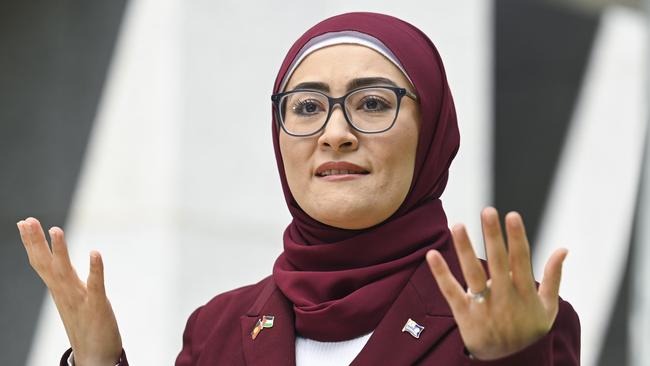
pixel 338 135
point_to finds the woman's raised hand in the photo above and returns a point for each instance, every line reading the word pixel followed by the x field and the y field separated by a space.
pixel 501 315
pixel 84 308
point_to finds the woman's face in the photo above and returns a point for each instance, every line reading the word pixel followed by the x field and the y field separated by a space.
pixel 351 201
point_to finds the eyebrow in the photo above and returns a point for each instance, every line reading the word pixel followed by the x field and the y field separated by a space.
pixel 352 84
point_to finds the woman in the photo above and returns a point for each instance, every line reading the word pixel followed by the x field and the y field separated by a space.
pixel 364 131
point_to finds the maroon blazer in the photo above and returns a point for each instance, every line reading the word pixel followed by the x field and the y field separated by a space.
pixel 218 333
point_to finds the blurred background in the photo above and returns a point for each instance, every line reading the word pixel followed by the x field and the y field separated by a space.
pixel 143 129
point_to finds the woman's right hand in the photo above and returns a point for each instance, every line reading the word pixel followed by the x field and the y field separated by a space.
pixel 84 308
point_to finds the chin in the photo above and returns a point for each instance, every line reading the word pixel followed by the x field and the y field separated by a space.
pixel 351 207
pixel 351 218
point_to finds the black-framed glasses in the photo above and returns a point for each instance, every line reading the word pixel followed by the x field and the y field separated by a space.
pixel 372 109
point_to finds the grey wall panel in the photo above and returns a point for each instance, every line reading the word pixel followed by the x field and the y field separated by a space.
pixel 541 53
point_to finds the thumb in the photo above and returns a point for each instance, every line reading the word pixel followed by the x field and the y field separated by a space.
pixel 95 281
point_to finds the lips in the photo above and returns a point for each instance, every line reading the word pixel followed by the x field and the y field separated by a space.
pixel 333 168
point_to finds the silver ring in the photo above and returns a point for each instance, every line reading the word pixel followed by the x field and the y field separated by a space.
pixel 480 296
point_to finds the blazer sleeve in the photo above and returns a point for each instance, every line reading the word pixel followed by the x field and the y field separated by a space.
pixel 187 356
pixel 559 347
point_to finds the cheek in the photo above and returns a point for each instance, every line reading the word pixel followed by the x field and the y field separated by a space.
pixel 399 172
pixel 396 156
pixel 296 158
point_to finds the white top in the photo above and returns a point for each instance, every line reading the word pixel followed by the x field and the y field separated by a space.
pixel 314 353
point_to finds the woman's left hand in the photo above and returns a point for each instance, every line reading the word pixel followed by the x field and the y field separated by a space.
pixel 504 314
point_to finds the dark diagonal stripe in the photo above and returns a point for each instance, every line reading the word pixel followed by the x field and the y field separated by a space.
pixel 541 54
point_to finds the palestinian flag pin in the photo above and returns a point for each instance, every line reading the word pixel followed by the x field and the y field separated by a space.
pixel 265 322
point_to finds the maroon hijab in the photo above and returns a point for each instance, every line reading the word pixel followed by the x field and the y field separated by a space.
pixel 340 281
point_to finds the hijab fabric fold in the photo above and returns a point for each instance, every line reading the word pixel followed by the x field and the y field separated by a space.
pixel 341 281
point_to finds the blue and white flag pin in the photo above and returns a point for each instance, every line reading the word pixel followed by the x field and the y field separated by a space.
pixel 413 328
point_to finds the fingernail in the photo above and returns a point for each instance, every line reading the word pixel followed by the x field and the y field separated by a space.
pixel 515 220
pixel 431 255
pixel 490 215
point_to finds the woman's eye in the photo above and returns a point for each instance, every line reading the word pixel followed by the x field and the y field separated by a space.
pixel 307 107
pixel 373 104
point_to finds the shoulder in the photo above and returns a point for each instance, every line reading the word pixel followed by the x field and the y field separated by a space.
pixel 227 307
pixel 236 301
pixel 207 329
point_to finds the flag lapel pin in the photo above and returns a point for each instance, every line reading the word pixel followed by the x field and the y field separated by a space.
pixel 265 322
pixel 413 328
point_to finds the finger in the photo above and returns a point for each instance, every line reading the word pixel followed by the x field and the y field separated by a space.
pixel 59 248
pixel 519 253
pixel 495 247
pixel 24 237
pixel 549 289
pixel 450 288
pixel 469 263
pixel 42 255
pixel 95 281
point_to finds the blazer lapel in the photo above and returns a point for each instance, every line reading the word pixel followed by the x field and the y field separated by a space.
pixel 421 301
pixel 275 345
